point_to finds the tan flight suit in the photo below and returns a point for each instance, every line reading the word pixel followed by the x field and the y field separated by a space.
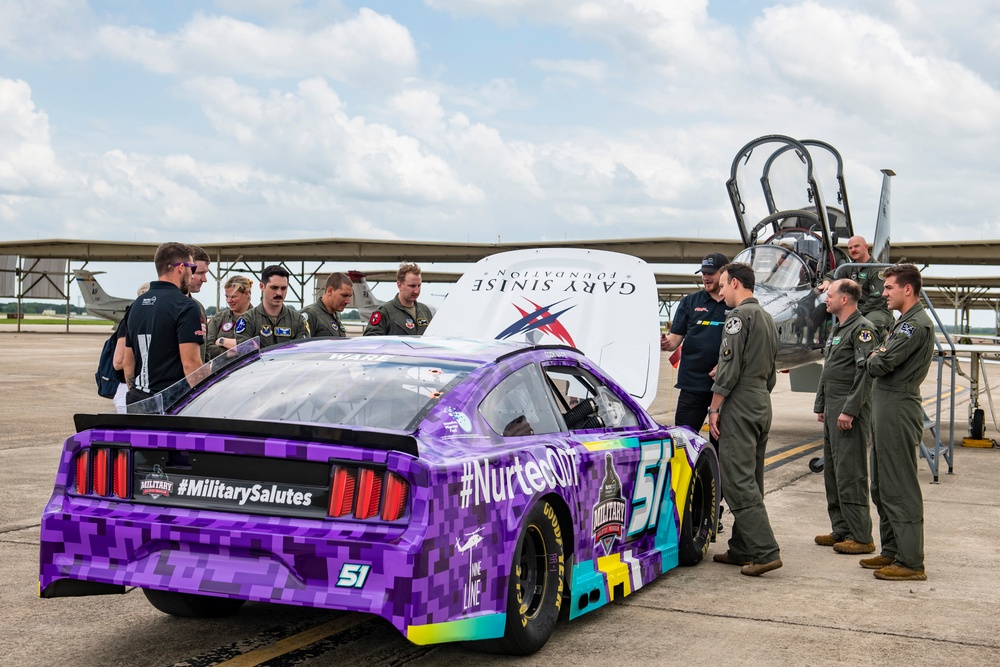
pixel 746 376
pixel 844 387
pixel 392 319
pixel 288 325
pixel 899 365
pixel 323 323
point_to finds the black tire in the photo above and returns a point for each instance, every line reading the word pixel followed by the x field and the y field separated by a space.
pixel 978 425
pixel 192 606
pixel 535 585
pixel 816 464
pixel 701 511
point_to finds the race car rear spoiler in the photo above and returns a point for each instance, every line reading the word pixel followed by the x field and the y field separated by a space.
pixel 334 435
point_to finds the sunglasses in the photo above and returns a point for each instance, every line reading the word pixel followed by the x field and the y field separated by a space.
pixel 190 265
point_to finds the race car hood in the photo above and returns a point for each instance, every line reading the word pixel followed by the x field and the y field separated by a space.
pixel 602 303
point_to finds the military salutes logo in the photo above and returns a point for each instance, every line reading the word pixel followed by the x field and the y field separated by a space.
pixel 156 484
pixel 609 512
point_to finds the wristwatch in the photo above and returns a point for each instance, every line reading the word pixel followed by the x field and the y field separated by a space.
pixel 713 411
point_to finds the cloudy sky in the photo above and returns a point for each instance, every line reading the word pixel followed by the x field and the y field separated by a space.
pixel 481 119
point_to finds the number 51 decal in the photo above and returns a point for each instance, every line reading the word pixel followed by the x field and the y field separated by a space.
pixel 353 575
pixel 647 494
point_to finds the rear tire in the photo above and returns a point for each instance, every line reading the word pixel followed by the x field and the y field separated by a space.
pixel 534 587
pixel 187 605
pixel 701 511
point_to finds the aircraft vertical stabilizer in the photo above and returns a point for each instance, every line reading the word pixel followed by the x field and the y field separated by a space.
pixel 880 245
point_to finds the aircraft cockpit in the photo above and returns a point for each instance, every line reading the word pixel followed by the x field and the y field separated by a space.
pixel 778 267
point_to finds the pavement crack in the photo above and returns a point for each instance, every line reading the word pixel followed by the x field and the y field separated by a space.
pixel 879 633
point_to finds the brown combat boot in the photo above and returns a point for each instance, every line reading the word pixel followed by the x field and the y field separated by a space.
pixel 757 569
pixel 852 547
pixel 827 540
pixel 876 562
pixel 726 560
pixel 897 572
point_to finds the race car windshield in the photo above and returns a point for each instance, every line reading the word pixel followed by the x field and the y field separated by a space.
pixel 366 390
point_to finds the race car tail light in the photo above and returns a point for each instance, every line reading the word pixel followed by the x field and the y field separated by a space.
pixel 367 493
pixel 396 491
pixel 342 491
pixel 120 473
pixel 99 480
pixel 103 471
pixel 82 472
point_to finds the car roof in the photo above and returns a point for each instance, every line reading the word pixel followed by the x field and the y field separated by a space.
pixel 451 349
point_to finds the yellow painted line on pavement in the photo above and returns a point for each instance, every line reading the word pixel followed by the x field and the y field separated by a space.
pixel 261 655
pixel 788 453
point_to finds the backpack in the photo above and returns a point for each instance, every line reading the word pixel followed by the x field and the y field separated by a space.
pixel 106 375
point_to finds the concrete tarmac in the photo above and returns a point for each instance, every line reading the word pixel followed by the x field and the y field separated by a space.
pixel 820 608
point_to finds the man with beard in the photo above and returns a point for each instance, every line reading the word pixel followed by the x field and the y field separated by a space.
pixel 272 321
pixel 164 332
pixel 404 315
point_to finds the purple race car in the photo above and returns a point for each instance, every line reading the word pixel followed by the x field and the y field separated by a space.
pixel 462 490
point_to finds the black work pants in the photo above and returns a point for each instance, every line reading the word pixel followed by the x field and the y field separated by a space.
pixel 692 408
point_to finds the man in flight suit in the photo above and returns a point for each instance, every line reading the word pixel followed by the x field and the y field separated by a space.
pixel 402 316
pixel 899 365
pixel 324 315
pixel 740 417
pixel 872 303
pixel 842 405
pixel 272 321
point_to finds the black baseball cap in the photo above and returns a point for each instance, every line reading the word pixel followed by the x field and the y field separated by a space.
pixel 712 263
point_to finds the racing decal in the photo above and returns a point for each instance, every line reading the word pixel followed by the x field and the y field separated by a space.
pixel 265 330
pixel 865 336
pixel 650 478
pixel 375 318
pixel 283 331
pixel 907 329
pixel 353 575
pixel 409 323
pixel 241 326
pixel 474 585
pixel 484 482
pixel 585 282
pixel 227 326
pixel 539 319
pixel 157 484
pixel 609 512
pixel 344 356
pixel 459 421
pixel 149 301
pixel 733 325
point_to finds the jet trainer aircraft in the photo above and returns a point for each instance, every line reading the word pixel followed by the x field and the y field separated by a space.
pixel 97 301
pixel 790 233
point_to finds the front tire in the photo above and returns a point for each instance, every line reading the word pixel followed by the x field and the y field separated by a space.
pixel 535 585
pixel 701 511
pixel 187 605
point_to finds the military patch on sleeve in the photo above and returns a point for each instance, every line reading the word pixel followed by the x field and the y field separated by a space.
pixel 865 336
pixel 906 329
pixel 241 326
pixel 375 318
pixel 733 325
pixel 881 275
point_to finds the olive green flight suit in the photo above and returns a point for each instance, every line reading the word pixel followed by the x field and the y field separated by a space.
pixel 323 323
pixel 392 319
pixel 288 325
pixel 746 376
pixel 222 325
pixel 899 365
pixel 844 387
pixel 871 304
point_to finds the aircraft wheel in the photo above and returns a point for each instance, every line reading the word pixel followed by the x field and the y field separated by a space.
pixel 978 422
pixel 816 464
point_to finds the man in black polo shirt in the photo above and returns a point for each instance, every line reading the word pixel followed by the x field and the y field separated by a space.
pixel 164 335
pixel 698 324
